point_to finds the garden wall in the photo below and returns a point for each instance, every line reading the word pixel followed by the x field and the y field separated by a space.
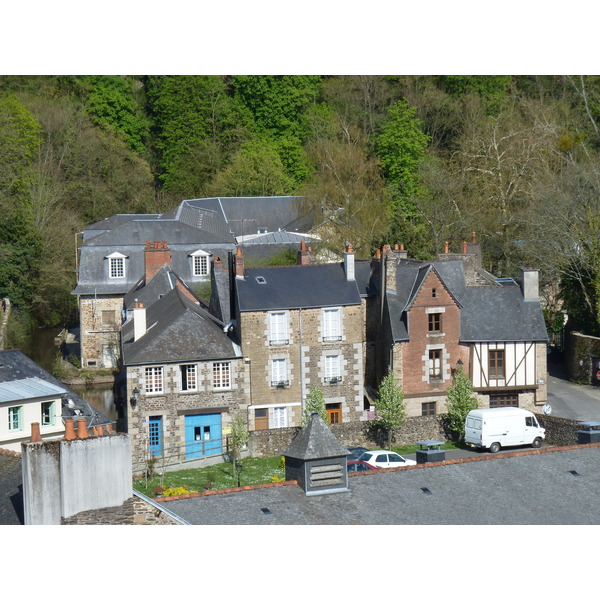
pixel 579 352
pixel 272 442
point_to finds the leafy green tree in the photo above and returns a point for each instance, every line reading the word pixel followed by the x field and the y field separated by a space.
pixel 390 410
pixel 314 404
pixel 255 170
pixel 460 401
pixel 401 147
pixel 238 439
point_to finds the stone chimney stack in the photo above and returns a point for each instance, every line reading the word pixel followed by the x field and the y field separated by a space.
pixel 139 321
pixel 389 261
pixel 530 285
pixel 156 255
pixel 239 263
pixel 349 262
pixel 304 255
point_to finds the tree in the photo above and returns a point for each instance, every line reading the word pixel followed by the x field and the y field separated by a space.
pixel 390 413
pixel 460 401
pixel 238 439
pixel 314 403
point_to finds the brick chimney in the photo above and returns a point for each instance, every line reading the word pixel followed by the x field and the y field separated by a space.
pixel 238 260
pixel 139 320
pixel 389 260
pixel 156 255
pixel 304 257
pixel 349 263
pixel 35 432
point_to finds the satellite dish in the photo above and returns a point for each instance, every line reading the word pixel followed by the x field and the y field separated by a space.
pixel 546 409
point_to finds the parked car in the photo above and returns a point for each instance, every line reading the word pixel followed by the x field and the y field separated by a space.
pixel 355 452
pixel 385 459
pixel 356 466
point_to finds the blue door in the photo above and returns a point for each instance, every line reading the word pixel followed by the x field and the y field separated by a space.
pixel 155 436
pixel 202 435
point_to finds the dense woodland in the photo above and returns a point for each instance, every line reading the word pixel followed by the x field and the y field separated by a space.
pixel 417 160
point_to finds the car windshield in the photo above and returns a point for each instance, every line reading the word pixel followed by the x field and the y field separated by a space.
pixel 366 456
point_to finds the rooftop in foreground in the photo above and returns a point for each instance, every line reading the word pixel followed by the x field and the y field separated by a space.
pixel 556 486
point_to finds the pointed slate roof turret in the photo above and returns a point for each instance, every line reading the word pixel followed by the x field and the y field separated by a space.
pixel 316 459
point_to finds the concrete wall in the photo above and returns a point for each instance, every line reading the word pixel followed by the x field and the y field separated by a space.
pixel 65 477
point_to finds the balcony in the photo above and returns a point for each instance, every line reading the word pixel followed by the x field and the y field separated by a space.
pixel 280 384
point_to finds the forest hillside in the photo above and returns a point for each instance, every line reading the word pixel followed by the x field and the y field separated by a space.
pixel 416 160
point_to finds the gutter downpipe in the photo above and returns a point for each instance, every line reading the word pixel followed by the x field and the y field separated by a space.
pixel 302 392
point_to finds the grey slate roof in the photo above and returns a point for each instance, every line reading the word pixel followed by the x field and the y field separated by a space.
pixel 160 285
pixel 488 313
pixel 178 330
pixel 11 490
pixel 14 365
pixel 111 222
pixel 293 287
pixel 28 388
pixel 315 440
pixel 532 489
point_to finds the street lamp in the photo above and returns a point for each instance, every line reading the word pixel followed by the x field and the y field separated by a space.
pixel 238 468
pixel 135 396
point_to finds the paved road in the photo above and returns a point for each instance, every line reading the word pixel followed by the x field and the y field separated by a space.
pixel 570 400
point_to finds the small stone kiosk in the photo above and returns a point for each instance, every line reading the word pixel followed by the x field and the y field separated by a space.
pixel 316 460
pixel 589 432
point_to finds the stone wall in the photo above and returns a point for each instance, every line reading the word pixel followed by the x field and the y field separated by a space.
pixel 559 431
pixel 100 324
pixel 579 351
pixel 273 442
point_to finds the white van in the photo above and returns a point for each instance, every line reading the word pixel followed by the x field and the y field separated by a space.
pixel 495 428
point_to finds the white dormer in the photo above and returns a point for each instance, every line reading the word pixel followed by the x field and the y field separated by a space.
pixel 116 265
pixel 200 264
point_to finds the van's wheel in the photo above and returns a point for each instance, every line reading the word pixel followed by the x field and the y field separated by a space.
pixel 537 443
pixel 494 447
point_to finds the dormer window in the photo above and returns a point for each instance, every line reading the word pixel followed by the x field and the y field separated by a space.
pixel 116 265
pixel 200 263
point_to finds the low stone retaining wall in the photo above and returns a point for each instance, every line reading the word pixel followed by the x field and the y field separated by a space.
pixel 271 442
pixel 559 431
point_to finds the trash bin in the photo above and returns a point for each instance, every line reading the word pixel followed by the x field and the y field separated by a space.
pixel 430 452
pixel 589 435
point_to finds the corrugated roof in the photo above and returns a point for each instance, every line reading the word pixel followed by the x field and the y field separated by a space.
pixel 28 389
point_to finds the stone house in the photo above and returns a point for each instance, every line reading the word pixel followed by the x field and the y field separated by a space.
pixel 440 315
pixel 185 378
pixel 112 259
pixel 300 327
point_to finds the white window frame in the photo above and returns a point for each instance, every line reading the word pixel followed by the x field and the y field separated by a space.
pixel 333 371
pixel 153 380
pixel 200 263
pixel 116 266
pixel 332 324
pixel 15 418
pixel 49 414
pixel 280 417
pixel 278 328
pixel 279 372
pixel 189 376
pixel 222 375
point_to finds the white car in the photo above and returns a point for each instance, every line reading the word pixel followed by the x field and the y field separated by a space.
pixel 385 459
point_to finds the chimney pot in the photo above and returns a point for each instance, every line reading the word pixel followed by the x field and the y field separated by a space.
pixel 82 432
pixel 446 247
pixel 473 237
pixel 69 429
pixel 464 247
pixel 378 254
pixel 35 432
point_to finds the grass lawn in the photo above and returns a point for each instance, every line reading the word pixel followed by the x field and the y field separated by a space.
pixel 219 477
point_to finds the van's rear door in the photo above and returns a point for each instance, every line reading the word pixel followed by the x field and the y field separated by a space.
pixel 473 430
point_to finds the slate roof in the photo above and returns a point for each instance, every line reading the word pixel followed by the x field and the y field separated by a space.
pixel 11 490
pixel 315 440
pixel 294 287
pixel 160 285
pixel 28 388
pixel 488 313
pixel 532 489
pixel 14 365
pixel 178 330
pixel 246 215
